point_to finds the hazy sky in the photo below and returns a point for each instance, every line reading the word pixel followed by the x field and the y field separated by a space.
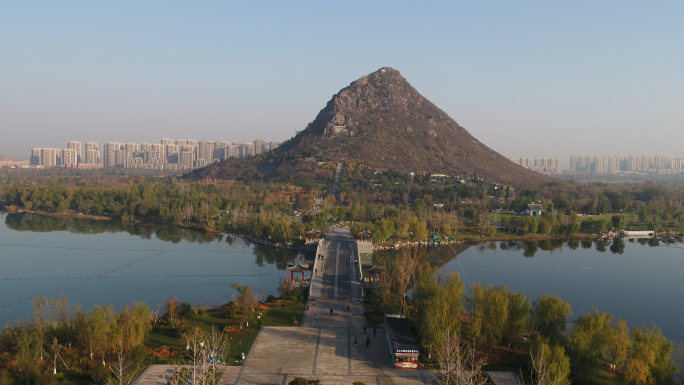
pixel 537 79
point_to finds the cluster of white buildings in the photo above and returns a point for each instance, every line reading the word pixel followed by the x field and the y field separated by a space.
pixel 173 155
pixel 540 165
pixel 626 164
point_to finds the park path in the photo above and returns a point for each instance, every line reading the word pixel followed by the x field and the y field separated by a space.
pixel 330 347
pixel 336 183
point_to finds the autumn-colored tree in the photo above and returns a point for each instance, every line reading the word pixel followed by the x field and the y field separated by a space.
pixel 246 302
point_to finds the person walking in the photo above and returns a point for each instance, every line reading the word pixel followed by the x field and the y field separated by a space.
pixel 375 331
pixel 347 308
pixel 368 341
pixel 364 330
pixel 331 311
pixel 356 339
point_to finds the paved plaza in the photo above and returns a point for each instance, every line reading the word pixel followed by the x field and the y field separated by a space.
pixel 328 347
pixel 331 348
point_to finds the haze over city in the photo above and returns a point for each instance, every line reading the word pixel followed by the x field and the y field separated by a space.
pixel 528 79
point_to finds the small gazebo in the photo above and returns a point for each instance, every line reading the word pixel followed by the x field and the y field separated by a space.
pixel 374 270
pixel 365 236
pixel 312 235
pixel 297 268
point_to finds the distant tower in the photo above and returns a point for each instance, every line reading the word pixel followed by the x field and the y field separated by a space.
pixel 91 153
pixel 76 146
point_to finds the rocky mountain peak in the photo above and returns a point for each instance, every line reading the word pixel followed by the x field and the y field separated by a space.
pixel 382 121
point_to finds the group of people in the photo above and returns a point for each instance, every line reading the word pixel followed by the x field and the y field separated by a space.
pixel 365 329
pixel 368 339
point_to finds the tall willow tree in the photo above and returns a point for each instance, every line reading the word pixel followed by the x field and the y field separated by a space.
pixel 439 304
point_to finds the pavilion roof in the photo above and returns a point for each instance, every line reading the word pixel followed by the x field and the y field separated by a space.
pixel 374 269
pixel 365 232
pixel 297 267
pixel 313 232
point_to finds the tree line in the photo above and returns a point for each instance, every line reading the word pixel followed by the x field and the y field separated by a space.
pixel 446 318
pixel 95 343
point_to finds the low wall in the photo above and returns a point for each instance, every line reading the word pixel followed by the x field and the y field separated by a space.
pixel 364 247
pixel 318 265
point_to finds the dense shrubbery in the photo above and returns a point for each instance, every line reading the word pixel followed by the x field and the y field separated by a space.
pixel 495 316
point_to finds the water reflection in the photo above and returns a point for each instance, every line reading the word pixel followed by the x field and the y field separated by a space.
pixel 271 256
pixel 86 260
pixel 46 223
pixel 530 248
pixel 618 246
pixel 600 245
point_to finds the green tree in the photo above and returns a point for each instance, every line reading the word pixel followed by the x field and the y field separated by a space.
pixel 439 304
pixel 495 313
pixel 619 221
pixel 604 205
pixel 246 302
pixel 602 226
pixel 550 317
pixel 654 225
pixel 586 343
pixel 532 225
pixel 561 203
pixel 649 358
pixel 517 323
pixel 550 365
pixel 618 342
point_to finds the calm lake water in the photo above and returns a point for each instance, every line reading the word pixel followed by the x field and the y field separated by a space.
pixel 103 262
pixel 641 281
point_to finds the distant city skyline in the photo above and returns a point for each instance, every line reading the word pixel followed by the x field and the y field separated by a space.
pixel 166 155
pixel 528 79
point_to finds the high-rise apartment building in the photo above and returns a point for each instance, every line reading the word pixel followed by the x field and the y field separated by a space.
pixel 633 164
pixel 541 165
pixel 247 150
pixel 69 157
pixel 183 155
pixel 51 157
pixel 109 154
pixel 220 150
pixel 206 152
pixel 76 146
pixel 91 153
pixel 259 146
pixel 36 157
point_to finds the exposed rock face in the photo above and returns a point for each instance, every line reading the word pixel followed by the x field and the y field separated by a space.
pixel 381 120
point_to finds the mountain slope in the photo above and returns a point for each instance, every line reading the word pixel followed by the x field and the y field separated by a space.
pixel 381 120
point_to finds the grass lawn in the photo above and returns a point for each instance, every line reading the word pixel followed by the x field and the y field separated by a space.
pixel 606 217
pixel 605 378
pixel 240 342
pixel 284 316
pixel 474 235
pixel 495 217
pixel 76 381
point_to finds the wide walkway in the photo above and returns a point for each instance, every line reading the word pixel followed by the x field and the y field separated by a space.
pixel 329 347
